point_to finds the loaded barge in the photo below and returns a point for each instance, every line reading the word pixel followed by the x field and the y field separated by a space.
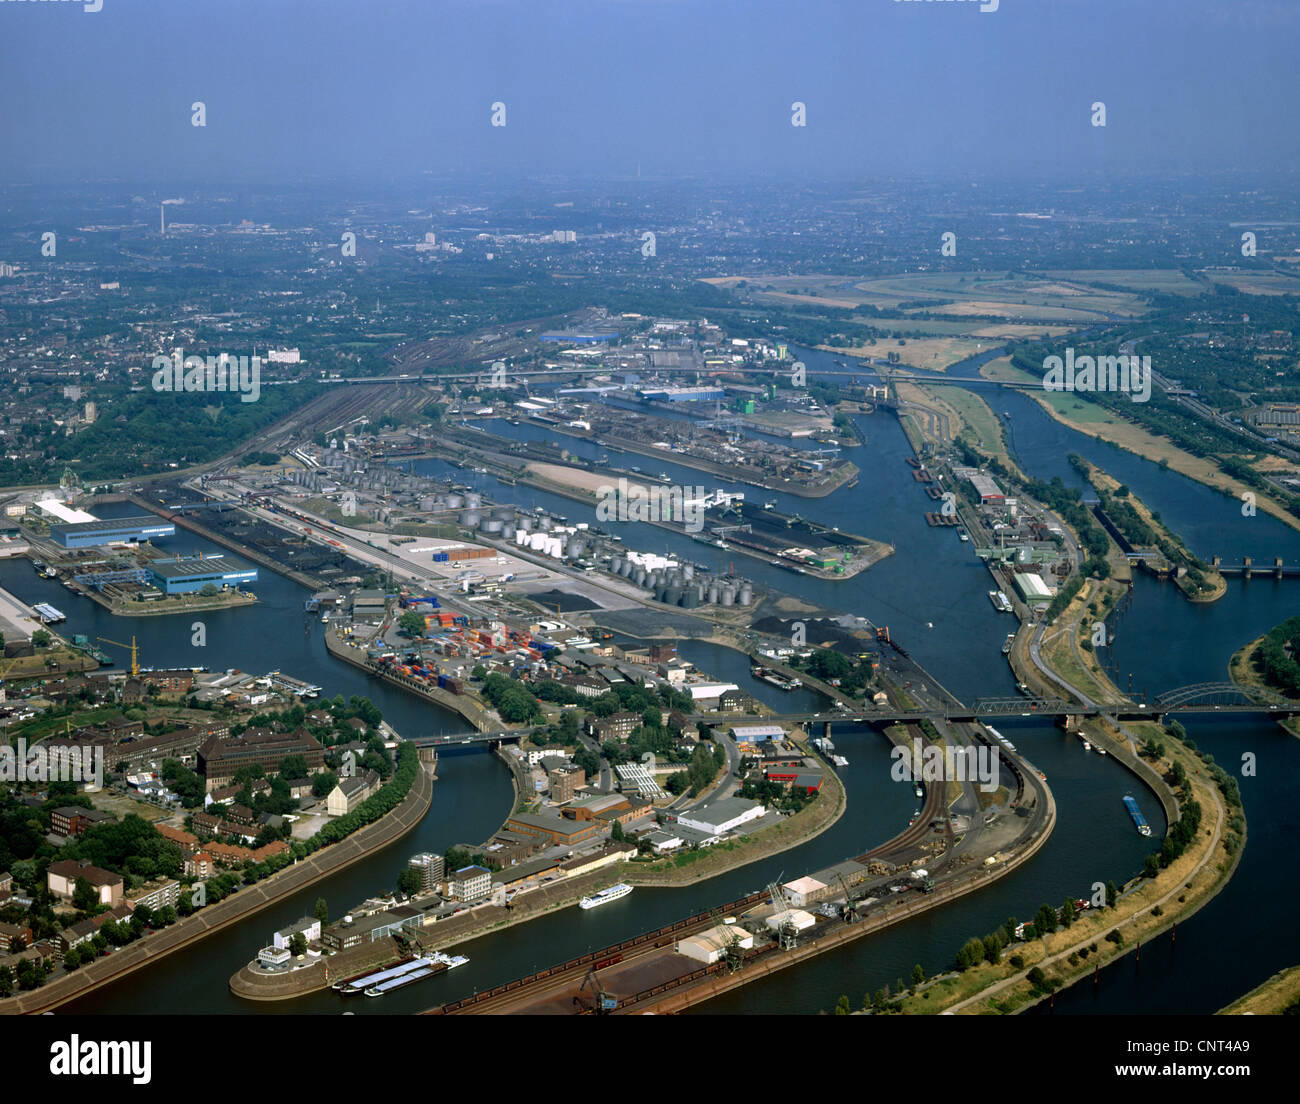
pixel 1138 819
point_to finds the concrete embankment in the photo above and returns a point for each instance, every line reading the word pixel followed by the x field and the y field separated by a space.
pixel 774 961
pixel 464 706
pixel 237 907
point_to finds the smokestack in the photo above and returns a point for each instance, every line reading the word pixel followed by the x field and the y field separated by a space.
pixel 162 218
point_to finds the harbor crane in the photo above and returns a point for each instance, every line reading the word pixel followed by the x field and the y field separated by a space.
pixel 135 661
pixel 850 913
pixel 602 1003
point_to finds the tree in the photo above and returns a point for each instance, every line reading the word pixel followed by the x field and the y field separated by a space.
pixel 1112 894
pixel 1067 913
pixel 41 639
pixel 918 975
pixel 208 590
pixel 411 623
pixel 72 959
pixel 410 881
pixel 6 981
pixel 842 1006
pixel 297 944
pixel 616 832
pixel 322 911
pixel 84 896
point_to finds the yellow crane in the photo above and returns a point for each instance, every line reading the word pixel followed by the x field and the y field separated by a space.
pixel 135 664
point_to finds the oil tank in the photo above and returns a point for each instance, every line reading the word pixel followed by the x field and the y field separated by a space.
pixel 746 595
pixel 491 526
pixel 544 524
pixel 427 503
pixel 688 572
pixel 574 549
pixel 661 593
pixel 508 530
pixel 638 576
pixel 524 524
pixel 474 501
pixel 615 564
pixel 673 595
pixel 454 502
pixel 713 594
pixel 469 519
pixel 691 599
pixel 627 569
pixel 503 513
pixel 728 596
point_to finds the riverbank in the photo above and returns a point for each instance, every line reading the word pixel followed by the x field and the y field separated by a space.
pixel 1137 440
pixel 232 909
pixel 1216 586
pixel 1242 670
pixel 1100 936
pixel 1275 997
pixel 468 709
pixel 873 923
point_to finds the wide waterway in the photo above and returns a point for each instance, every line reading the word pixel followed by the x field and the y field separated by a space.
pixel 1237 941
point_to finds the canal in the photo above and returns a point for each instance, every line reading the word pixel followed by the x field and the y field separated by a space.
pixel 932 593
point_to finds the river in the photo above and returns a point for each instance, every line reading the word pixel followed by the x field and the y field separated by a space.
pixel 933 579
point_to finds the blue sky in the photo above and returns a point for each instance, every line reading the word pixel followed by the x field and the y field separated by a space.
pixel 368 89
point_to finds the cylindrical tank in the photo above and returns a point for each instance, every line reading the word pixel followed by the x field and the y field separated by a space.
pixel 503 513
pixel 661 593
pixel 746 595
pixel 524 525
pixel 713 594
pixel 544 524
pixel 575 548
pixel 508 530
pixel 728 596
pixel 469 519
pixel 688 572
pixel 673 595
pixel 490 525
pixel 474 501
pixel 638 576
pixel 627 569
pixel 454 502
pixel 537 541
pixel 428 503
pixel 691 599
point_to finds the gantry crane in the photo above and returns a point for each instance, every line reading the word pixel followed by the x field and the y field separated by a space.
pixel 135 663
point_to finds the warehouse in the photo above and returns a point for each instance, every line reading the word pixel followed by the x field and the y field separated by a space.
pixel 709 946
pixel 187 576
pixel 720 817
pixel 88 534
pixel 683 394
pixel 1033 589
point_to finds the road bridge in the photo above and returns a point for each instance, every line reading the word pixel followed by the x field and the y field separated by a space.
pixel 1210 697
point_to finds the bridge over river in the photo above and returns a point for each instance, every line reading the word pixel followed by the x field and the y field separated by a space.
pixel 1206 697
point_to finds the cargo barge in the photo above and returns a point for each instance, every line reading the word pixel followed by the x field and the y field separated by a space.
pixel 1138 819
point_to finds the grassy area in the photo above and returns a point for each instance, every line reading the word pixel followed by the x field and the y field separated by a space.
pixel 1244 669
pixel 1275 996
pixel 935 353
pixel 1087 417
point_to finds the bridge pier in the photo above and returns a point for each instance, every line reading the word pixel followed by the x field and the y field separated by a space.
pixel 826 729
pixel 1245 571
pixel 1277 567
pixel 1215 562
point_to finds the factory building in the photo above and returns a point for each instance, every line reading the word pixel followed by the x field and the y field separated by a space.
pixel 89 534
pixel 187 576
pixel 682 394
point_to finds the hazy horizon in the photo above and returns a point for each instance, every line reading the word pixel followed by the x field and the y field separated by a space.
pixel 303 92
